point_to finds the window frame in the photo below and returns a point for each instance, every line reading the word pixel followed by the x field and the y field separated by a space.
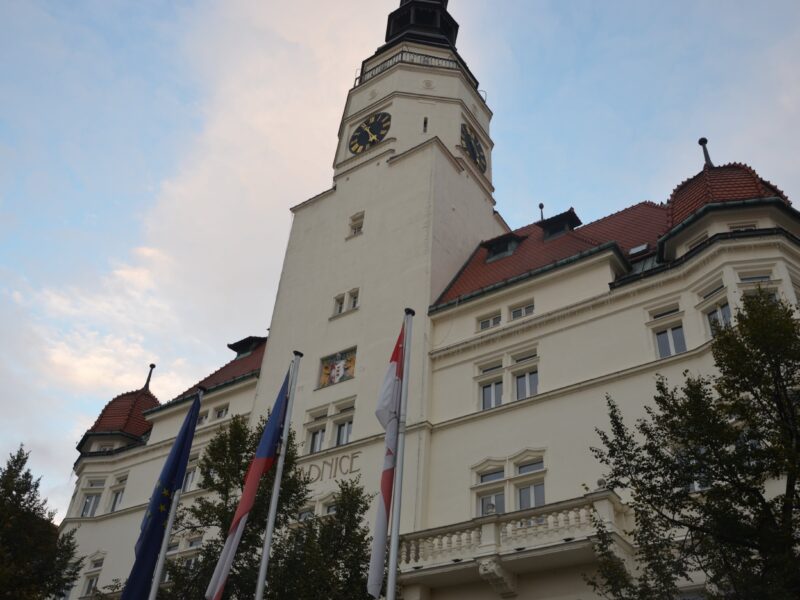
pixel 92 505
pixel 317 433
pixel 492 320
pixel 524 310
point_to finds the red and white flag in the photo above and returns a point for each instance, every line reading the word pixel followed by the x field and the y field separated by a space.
pixel 388 413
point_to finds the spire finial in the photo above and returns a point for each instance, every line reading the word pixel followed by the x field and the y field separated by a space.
pixel 149 375
pixel 541 210
pixel 703 142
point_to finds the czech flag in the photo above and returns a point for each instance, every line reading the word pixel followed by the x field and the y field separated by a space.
pixel 388 413
pixel 265 456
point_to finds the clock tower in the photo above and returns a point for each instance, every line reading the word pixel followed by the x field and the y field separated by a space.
pixel 411 198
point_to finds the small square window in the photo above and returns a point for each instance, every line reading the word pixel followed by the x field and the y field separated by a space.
pixel 531 496
pixel 522 311
pixel 221 412
pixel 97 483
pixel 173 546
pixel 489 322
pixel 195 542
pixel 491 504
pixel 356 226
pixel 305 515
pixel 97 563
pixel 330 509
pixel 202 418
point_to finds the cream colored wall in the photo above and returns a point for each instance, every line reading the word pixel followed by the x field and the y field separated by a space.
pixel 115 534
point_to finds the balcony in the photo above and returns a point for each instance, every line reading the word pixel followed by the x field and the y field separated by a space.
pixel 414 58
pixel 498 548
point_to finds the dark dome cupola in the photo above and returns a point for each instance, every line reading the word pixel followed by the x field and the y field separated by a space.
pixel 422 21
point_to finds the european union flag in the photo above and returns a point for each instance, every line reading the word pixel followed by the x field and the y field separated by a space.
pixel 154 524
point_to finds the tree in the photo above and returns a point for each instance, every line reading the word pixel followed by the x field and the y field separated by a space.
pixel 35 563
pixel 329 554
pixel 713 470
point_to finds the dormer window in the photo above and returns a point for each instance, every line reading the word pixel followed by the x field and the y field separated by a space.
pixel 501 248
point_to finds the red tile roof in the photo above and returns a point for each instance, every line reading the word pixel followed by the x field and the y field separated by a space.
pixel 726 183
pixel 125 414
pixel 639 224
pixel 241 366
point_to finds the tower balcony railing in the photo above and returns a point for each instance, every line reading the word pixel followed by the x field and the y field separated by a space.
pixel 412 58
pixel 488 545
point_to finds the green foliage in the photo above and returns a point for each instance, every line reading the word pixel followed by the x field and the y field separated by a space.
pixel 713 470
pixel 35 563
pixel 319 558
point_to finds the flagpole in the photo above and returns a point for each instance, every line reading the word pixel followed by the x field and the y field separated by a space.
pixel 162 555
pixel 394 543
pixel 276 486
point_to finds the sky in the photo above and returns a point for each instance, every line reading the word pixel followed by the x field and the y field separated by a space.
pixel 150 151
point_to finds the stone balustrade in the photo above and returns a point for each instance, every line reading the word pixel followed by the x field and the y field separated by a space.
pixel 497 535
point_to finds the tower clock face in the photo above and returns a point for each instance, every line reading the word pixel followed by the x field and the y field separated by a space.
pixel 370 132
pixel 473 146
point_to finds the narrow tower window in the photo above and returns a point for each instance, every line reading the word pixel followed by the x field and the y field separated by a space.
pixel 425 125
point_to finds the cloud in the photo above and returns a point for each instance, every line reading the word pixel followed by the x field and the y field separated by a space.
pixel 271 87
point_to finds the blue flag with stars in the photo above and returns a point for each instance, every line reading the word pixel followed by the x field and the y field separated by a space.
pixel 154 523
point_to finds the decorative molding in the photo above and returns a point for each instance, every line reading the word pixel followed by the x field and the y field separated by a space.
pixel 492 571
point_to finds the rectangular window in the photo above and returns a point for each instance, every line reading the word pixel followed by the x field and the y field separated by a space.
pixel 493 476
pixel 338 305
pixel 670 341
pixel 343 431
pixel 531 496
pixel 116 499
pixel 195 542
pixel 531 467
pixel 352 300
pixel 356 224
pixel 719 316
pixel 489 322
pixel 305 515
pixel 317 439
pixel 491 504
pixel 221 412
pixel 522 311
pixel 330 509
pixel 91 584
pixel 202 418
pixel 492 395
pixel 527 384
pixel 173 546
pixel 754 278
pixel 90 503
pixel 95 483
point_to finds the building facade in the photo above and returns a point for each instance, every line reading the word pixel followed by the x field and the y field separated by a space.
pixel 519 336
